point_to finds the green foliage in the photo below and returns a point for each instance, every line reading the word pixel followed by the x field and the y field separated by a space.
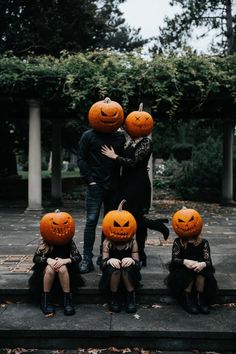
pixel 200 177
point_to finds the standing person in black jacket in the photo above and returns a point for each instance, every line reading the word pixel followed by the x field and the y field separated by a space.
pixel 101 174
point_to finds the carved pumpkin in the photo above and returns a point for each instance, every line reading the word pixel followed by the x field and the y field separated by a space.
pixel 187 223
pixel 57 228
pixel 119 225
pixel 139 123
pixel 106 116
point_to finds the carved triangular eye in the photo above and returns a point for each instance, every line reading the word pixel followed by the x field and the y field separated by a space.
pixel 180 220
pixel 114 114
pixel 103 113
pixel 126 224
pixel 192 218
pixel 116 224
pixel 54 223
pixel 66 222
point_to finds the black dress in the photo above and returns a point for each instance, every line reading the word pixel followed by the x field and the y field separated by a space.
pixel 133 270
pixel 135 182
pixel 136 185
pixel 180 276
pixel 40 262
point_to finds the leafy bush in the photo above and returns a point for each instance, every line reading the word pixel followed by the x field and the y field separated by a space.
pixel 200 177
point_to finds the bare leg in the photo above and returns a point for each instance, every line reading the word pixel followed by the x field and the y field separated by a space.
pixel 49 276
pixel 64 279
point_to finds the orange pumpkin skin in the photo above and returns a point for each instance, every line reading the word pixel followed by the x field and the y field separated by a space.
pixel 106 116
pixel 138 124
pixel 57 228
pixel 187 223
pixel 119 225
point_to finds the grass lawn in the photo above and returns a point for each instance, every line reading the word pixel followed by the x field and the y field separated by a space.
pixel 47 174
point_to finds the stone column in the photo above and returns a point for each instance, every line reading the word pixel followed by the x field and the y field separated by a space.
pixel 34 159
pixel 56 184
pixel 227 177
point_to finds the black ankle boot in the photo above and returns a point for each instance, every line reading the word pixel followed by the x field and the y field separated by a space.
pixel 158 225
pixel 114 305
pixel 131 306
pixel 68 305
pixel 46 305
pixel 201 304
pixel 189 304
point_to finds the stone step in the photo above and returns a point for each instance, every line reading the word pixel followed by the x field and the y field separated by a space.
pixel 14 287
pixel 156 327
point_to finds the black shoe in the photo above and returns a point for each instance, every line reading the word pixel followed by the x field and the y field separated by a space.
pixel 46 305
pixel 158 225
pixel 114 304
pixel 131 306
pixel 201 304
pixel 86 266
pixel 189 304
pixel 68 305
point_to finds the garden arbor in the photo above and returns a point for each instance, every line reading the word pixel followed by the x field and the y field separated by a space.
pixel 177 88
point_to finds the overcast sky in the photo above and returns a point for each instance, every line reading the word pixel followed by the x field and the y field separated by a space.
pixel 149 15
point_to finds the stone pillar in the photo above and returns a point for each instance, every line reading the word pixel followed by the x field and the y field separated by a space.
pixel 34 159
pixel 56 184
pixel 227 177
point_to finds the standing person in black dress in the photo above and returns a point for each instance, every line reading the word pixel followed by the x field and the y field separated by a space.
pixel 135 182
pixel 120 260
pixel 101 175
pixel 191 279
pixel 56 272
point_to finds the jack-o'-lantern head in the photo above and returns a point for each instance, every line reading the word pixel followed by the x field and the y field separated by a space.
pixel 57 228
pixel 139 123
pixel 106 116
pixel 119 225
pixel 187 223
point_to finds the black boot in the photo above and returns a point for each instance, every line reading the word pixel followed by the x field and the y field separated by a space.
pixel 46 305
pixel 131 306
pixel 68 305
pixel 114 305
pixel 201 304
pixel 158 225
pixel 189 304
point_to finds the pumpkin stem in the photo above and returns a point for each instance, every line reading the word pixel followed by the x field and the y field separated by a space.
pixel 107 100
pixel 57 211
pixel 121 205
pixel 141 107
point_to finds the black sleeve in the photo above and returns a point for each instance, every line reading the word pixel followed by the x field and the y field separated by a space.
pixel 143 150
pixel 39 257
pixel 82 158
pixel 75 254
pixel 207 254
pixel 176 253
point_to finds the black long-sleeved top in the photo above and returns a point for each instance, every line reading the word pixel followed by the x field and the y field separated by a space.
pixel 93 165
pixel 66 251
pixel 200 253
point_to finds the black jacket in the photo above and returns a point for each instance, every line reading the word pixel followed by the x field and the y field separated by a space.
pixel 94 166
